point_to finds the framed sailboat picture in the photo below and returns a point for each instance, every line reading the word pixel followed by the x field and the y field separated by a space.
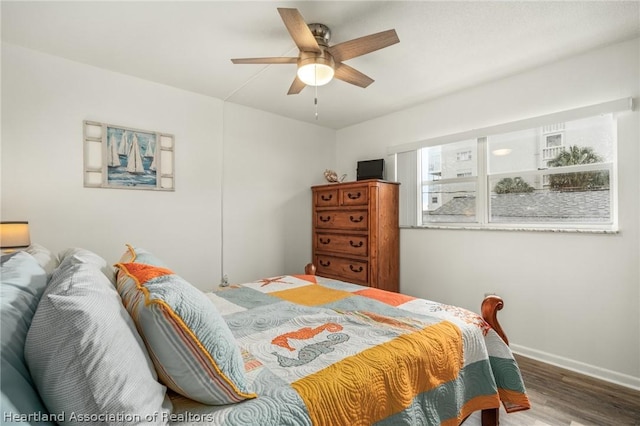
pixel 122 157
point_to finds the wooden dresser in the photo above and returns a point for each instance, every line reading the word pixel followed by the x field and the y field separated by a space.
pixel 356 237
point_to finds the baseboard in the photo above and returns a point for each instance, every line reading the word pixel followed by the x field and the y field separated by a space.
pixel 578 367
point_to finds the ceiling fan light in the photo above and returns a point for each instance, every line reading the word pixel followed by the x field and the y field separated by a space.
pixel 315 74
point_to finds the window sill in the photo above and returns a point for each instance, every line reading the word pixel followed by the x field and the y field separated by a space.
pixel 517 228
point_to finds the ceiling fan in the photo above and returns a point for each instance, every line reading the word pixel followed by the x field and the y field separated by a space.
pixel 318 62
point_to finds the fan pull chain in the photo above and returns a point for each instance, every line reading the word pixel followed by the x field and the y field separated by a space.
pixel 315 100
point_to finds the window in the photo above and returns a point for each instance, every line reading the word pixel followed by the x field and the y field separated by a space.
pixel 447 180
pixel 572 187
pixel 463 156
pixel 552 145
pixel 527 175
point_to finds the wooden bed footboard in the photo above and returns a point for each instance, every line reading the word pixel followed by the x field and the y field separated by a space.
pixel 489 309
pixel 310 269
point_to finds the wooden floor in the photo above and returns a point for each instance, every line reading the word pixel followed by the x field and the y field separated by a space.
pixel 563 398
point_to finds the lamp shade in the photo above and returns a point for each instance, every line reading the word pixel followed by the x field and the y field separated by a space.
pixel 14 235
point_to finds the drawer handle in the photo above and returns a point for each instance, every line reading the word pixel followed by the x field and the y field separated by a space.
pixel 325 219
pixel 325 264
pixel 326 197
pixel 354 196
pixel 359 269
pixel 359 244
pixel 356 219
pixel 327 241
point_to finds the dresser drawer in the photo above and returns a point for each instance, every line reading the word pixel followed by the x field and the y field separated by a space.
pixel 347 244
pixel 326 198
pixel 345 269
pixel 350 220
pixel 354 196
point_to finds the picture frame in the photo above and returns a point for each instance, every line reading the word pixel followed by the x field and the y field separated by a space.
pixel 127 158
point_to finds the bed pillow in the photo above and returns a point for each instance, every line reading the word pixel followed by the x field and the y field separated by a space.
pixel 85 354
pixel 189 342
pixel 140 255
pixel 45 258
pixel 75 256
pixel 23 282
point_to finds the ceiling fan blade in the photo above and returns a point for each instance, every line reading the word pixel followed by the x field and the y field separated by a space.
pixel 298 29
pixel 351 75
pixel 363 45
pixel 296 87
pixel 273 60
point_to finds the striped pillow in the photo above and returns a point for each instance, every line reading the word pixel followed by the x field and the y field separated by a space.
pixel 189 342
pixel 83 350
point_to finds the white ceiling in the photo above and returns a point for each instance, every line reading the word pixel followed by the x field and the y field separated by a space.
pixel 444 46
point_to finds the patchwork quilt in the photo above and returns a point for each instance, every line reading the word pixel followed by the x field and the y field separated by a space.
pixel 324 352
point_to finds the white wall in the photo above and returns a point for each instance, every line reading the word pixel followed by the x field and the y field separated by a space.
pixel 571 299
pixel 270 164
pixel 44 101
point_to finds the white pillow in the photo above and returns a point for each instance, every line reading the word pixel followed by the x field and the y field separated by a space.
pixel 45 258
pixel 74 256
pixel 85 354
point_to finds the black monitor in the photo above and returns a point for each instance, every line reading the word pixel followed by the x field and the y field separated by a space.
pixel 371 169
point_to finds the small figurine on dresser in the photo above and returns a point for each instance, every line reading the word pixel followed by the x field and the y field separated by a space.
pixel 332 176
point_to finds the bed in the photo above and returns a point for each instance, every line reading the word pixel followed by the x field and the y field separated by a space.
pixel 284 350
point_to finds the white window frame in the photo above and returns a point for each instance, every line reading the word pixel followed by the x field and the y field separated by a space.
pixel 483 179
